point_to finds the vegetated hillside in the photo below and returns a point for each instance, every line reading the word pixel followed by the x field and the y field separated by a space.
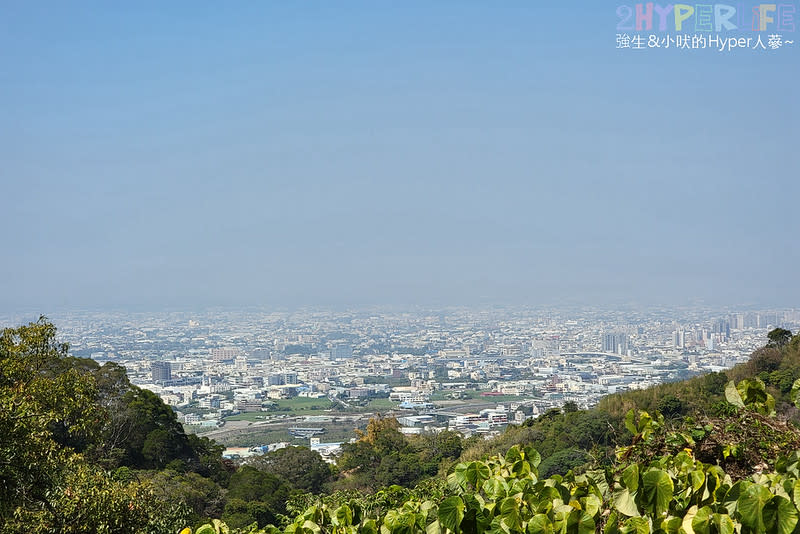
pixel 80 447
pixel 569 438
pixel 82 450
pixel 777 365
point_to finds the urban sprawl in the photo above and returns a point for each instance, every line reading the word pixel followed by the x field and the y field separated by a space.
pixel 256 381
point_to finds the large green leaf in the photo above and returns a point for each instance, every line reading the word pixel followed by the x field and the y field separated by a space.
pixel 645 420
pixel 514 454
pixel 545 497
pixel 509 513
pixel 579 522
pixel 458 478
pixel 732 395
pixel 476 516
pixel 612 523
pixel 724 524
pixel 625 502
pixel 591 504
pixel 495 488
pixel 657 490
pixel 780 515
pixel 369 527
pixel 671 525
pixel 702 520
pixel 398 522
pixel 796 490
pixel 731 499
pixel 630 478
pixel 310 526
pixel 451 512
pixel 697 478
pixel 752 391
pixel 476 472
pixel 560 516
pixel 343 516
pixel 751 507
pixel 533 457
pixel 795 394
pixel 426 507
pixel 688 518
pixel 630 423
pixel 521 469
pixel 636 525
pixel 540 524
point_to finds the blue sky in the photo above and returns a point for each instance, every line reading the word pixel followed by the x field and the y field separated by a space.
pixel 189 154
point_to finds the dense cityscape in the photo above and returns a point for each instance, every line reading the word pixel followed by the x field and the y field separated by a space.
pixel 256 380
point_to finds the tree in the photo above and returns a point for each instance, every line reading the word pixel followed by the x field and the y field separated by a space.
pixel 714 384
pixel 255 496
pixel 209 461
pixel 671 406
pixel 36 406
pixel 240 514
pixel 779 337
pixel 377 428
pixel 155 437
pixel 434 448
pixel 382 455
pixel 301 467
pixel 48 409
pixel 157 447
pixel 201 496
pixel 765 359
pixel 250 484
pixel 563 461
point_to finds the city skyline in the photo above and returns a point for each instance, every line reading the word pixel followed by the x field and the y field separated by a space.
pixel 257 381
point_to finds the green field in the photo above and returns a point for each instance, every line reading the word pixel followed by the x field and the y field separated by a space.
pixel 381 405
pixel 336 432
pixel 295 406
pixel 249 416
pixel 302 404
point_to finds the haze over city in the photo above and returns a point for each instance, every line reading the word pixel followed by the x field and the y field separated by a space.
pixel 310 154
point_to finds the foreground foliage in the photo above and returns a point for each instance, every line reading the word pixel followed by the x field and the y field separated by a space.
pixel 673 493
pixel 504 495
pixel 51 413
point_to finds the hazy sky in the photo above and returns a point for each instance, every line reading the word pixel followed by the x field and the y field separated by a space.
pixel 187 154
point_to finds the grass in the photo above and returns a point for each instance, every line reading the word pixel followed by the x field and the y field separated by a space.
pixel 248 416
pixel 295 406
pixel 302 404
pixel 336 432
pixel 381 404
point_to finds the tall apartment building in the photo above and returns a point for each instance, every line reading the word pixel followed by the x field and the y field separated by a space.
pixel 161 371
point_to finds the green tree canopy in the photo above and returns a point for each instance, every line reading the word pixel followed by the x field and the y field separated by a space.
pixel 38 408
pixel 50 406
pixel 779 337
pixel 301 467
